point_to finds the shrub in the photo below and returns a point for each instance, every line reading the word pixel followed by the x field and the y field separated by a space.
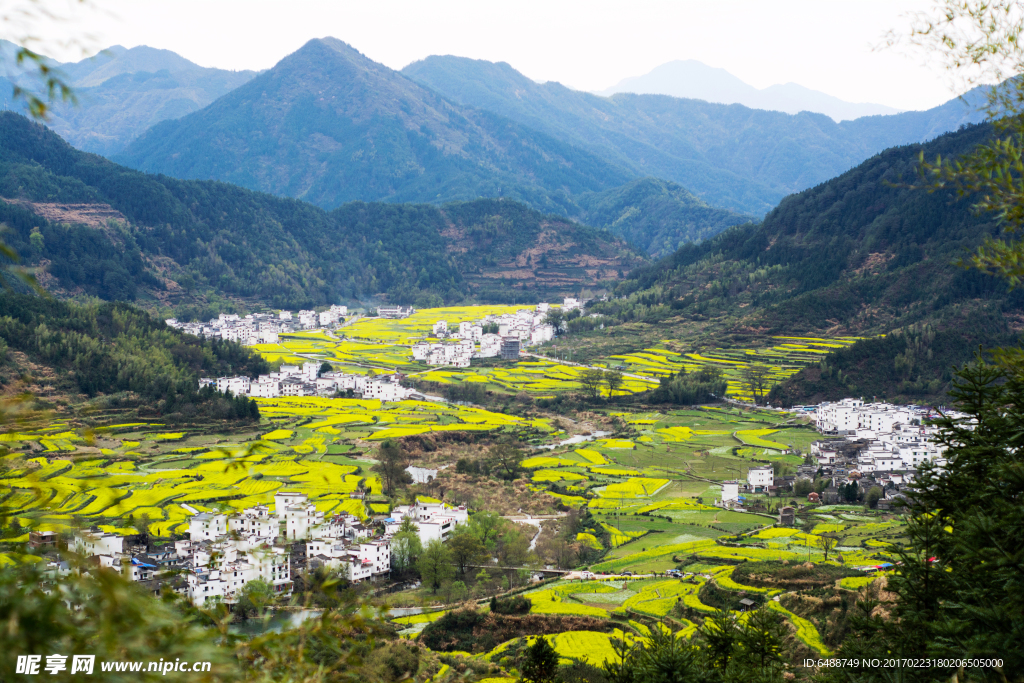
pixel 517 604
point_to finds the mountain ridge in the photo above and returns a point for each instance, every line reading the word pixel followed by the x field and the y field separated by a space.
pixel 328 125
pixel 123 92
pixel 730 156
pixel 692 79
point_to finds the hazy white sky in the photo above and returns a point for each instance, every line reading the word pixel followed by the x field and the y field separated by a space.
pixel 589 45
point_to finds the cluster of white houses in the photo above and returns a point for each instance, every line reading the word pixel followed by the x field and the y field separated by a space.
pixel 307 380
pixel 876 444
pixel 225 552
pixel 260 328
pixel 525 327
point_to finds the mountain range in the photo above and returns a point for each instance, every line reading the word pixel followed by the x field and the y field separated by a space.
pixel 91 227
pixel 328 125
pixel 123 92
pixel 730 156
pixel 695 80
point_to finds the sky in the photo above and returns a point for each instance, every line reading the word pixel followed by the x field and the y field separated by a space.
pixel 835 46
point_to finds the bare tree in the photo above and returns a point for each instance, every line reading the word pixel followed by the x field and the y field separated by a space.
pixel 391 466
pixel 827 543
pixel 506 458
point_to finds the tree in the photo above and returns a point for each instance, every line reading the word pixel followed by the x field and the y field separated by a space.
pixel 591 380
pixel 760 640
pixel 454 591
pixel 466 548
pixel 803 486
pixel 254 598
pixel 873 495
pixel 406 547
pixel 325 368
pixel 487 526
pixel 435 565
pixel 540 664
pixel 513 550
pixel 958 578
pixel 614 380
pixel 827 542
pixel 391 465
pixel 555 318
pixel 981 42
pixel 719 635
pixel 665 658
pixel 506 458
pixel 756 379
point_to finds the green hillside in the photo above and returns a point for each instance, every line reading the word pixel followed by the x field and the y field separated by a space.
pixel 123 92
pixel 860 255
pixel 111 232
pixel 71 351
pixel 655 215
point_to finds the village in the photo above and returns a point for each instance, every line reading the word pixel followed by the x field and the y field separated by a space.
pixel 494 336
pixel 878 446
pixel 225 552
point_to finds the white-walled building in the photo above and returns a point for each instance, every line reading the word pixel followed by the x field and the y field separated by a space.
pixel 94 542
pixel 207 526
pixel 434 520
pixel 730 494
pixel 760 478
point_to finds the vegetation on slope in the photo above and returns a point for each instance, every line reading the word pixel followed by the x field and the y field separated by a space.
pixel 111 348
pixel 655 215
pixel 124 92
pixel 860 255
pixel 115 233
pixel 729 155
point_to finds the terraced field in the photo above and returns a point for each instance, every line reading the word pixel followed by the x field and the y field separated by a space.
pixel 382 344
pixel 784 359
pixel 131 471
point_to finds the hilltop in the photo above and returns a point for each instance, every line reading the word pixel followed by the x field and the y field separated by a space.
pixel 329 126
pixel 123 92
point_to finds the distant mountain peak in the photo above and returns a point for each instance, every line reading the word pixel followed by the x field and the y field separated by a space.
pixel 691 79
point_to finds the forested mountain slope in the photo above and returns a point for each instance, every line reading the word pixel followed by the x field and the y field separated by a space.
pixel 657 216
pixel 123 92
pixel 862 254
pixel 329 126
pixel 67 350
pixel 108 231
pixel 728 155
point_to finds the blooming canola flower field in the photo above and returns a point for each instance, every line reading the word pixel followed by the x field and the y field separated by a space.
pixel 784 359
pixel 130 473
